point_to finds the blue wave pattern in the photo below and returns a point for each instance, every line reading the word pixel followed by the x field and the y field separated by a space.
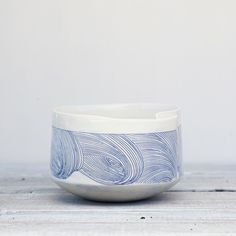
pixel 66 154
pixel 117 158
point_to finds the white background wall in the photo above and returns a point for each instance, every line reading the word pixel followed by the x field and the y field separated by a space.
pixel 55 52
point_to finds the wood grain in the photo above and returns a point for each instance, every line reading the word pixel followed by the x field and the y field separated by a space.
pixel 203 202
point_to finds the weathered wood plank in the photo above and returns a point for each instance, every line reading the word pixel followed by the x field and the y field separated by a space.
pixel 171 205
pixel 117 229
pixel 203 202
pixel 36 179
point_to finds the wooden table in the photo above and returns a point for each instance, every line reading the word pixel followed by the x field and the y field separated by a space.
pixel 203 202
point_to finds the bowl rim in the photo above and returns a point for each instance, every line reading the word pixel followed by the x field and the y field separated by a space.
pixel 117 118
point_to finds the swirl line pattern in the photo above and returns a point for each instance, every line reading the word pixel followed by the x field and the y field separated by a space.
pixel 117 159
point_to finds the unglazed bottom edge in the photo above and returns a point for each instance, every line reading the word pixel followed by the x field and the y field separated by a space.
pixel 114 193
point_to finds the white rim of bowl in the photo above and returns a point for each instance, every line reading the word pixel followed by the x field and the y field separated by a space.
pixel 117 118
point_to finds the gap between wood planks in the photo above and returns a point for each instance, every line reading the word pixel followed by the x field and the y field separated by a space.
pixel 39 191
pixel 204 191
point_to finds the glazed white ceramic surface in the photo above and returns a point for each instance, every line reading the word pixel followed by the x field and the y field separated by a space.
pixel 117 118
pixel 119 152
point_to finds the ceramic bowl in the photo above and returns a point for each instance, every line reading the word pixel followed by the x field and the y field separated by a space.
pixel 119 152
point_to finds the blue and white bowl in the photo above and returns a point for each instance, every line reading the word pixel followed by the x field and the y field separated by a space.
pixel 118 152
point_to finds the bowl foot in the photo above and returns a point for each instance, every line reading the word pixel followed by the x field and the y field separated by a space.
pixel 115 193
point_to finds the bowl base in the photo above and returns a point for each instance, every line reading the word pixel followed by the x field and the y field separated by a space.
pixel 115 193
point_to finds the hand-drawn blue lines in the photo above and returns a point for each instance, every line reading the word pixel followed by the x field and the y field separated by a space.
pixel 117 158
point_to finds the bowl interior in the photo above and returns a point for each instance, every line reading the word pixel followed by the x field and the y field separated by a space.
pixel 119 111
